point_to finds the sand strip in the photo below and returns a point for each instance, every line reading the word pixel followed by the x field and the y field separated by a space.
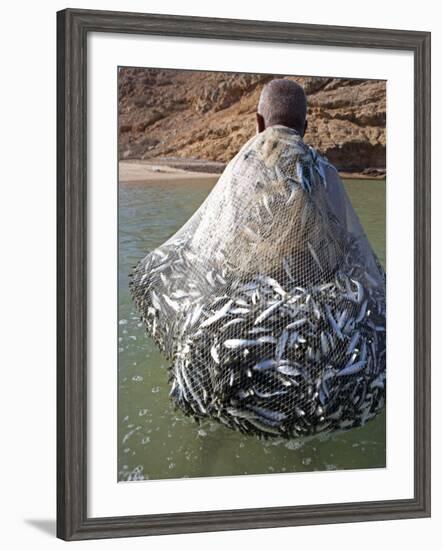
pixel 145 172
pixel 132 172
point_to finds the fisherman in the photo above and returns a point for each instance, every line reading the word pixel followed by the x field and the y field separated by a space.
pixel 270 184
pixel 282 103
pixel 270 300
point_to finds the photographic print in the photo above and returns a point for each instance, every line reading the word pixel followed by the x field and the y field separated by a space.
pixel 251 292
pixel 243 215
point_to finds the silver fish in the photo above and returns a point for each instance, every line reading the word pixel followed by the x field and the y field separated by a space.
pixel 279 351
pixel 296 324
pixel 214 353
pixel 267 312
pixel 232 322
pixel 171 303
pixel 333 323
pixel 353 342
pixel 235 343
pixel 267 413
pixel 218 315
pixel 362 312
pixel 268 339
pixel 288 370
pixel 324 344
pixel 266 364
pixel 353 368
pixel 287 269
pixel 314 255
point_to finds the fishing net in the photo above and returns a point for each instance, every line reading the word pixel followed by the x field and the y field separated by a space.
pixel 270 302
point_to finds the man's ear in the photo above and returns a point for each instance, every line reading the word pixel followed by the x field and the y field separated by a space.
pixel 260 124
pixel 305 127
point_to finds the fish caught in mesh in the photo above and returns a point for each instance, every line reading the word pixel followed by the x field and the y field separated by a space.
pixel 269 302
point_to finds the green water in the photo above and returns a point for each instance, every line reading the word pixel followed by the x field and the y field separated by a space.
pixel 157 442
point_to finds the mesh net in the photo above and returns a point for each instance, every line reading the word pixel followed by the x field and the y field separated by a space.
pixel 270 302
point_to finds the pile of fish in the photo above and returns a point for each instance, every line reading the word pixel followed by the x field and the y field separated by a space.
pixel 265 356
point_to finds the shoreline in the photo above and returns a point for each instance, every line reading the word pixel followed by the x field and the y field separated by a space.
pixel 130 173
pixel 181 171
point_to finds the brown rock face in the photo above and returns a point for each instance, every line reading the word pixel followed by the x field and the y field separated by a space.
pixel 210 115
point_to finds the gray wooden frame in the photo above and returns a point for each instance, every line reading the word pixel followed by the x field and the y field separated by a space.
pixel 73 27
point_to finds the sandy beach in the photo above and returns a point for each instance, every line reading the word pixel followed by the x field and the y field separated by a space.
pixel 132 171
pixel 146 172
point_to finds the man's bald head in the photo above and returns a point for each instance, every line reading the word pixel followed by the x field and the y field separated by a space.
pixel 282 102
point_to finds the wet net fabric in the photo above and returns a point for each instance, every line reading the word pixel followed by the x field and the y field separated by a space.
pixel 269 302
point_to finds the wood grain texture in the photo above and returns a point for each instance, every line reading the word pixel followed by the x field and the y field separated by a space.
pixel 72 29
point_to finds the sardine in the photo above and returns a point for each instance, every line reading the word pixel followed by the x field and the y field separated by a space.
pixel 353 368
pixel 214 353
pixel 314 255
pixel 218 315
pixel 235 343
pixel 267 312
pixel 279 351
pixel 266 364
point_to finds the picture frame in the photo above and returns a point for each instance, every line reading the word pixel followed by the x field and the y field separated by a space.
pixel 73 26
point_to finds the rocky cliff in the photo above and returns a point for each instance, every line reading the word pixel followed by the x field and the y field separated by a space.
pixel 209 115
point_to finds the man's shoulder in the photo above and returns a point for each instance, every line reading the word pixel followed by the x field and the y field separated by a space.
pixel 319 158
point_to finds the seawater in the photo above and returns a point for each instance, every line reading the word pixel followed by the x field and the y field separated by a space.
pixel 157 442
